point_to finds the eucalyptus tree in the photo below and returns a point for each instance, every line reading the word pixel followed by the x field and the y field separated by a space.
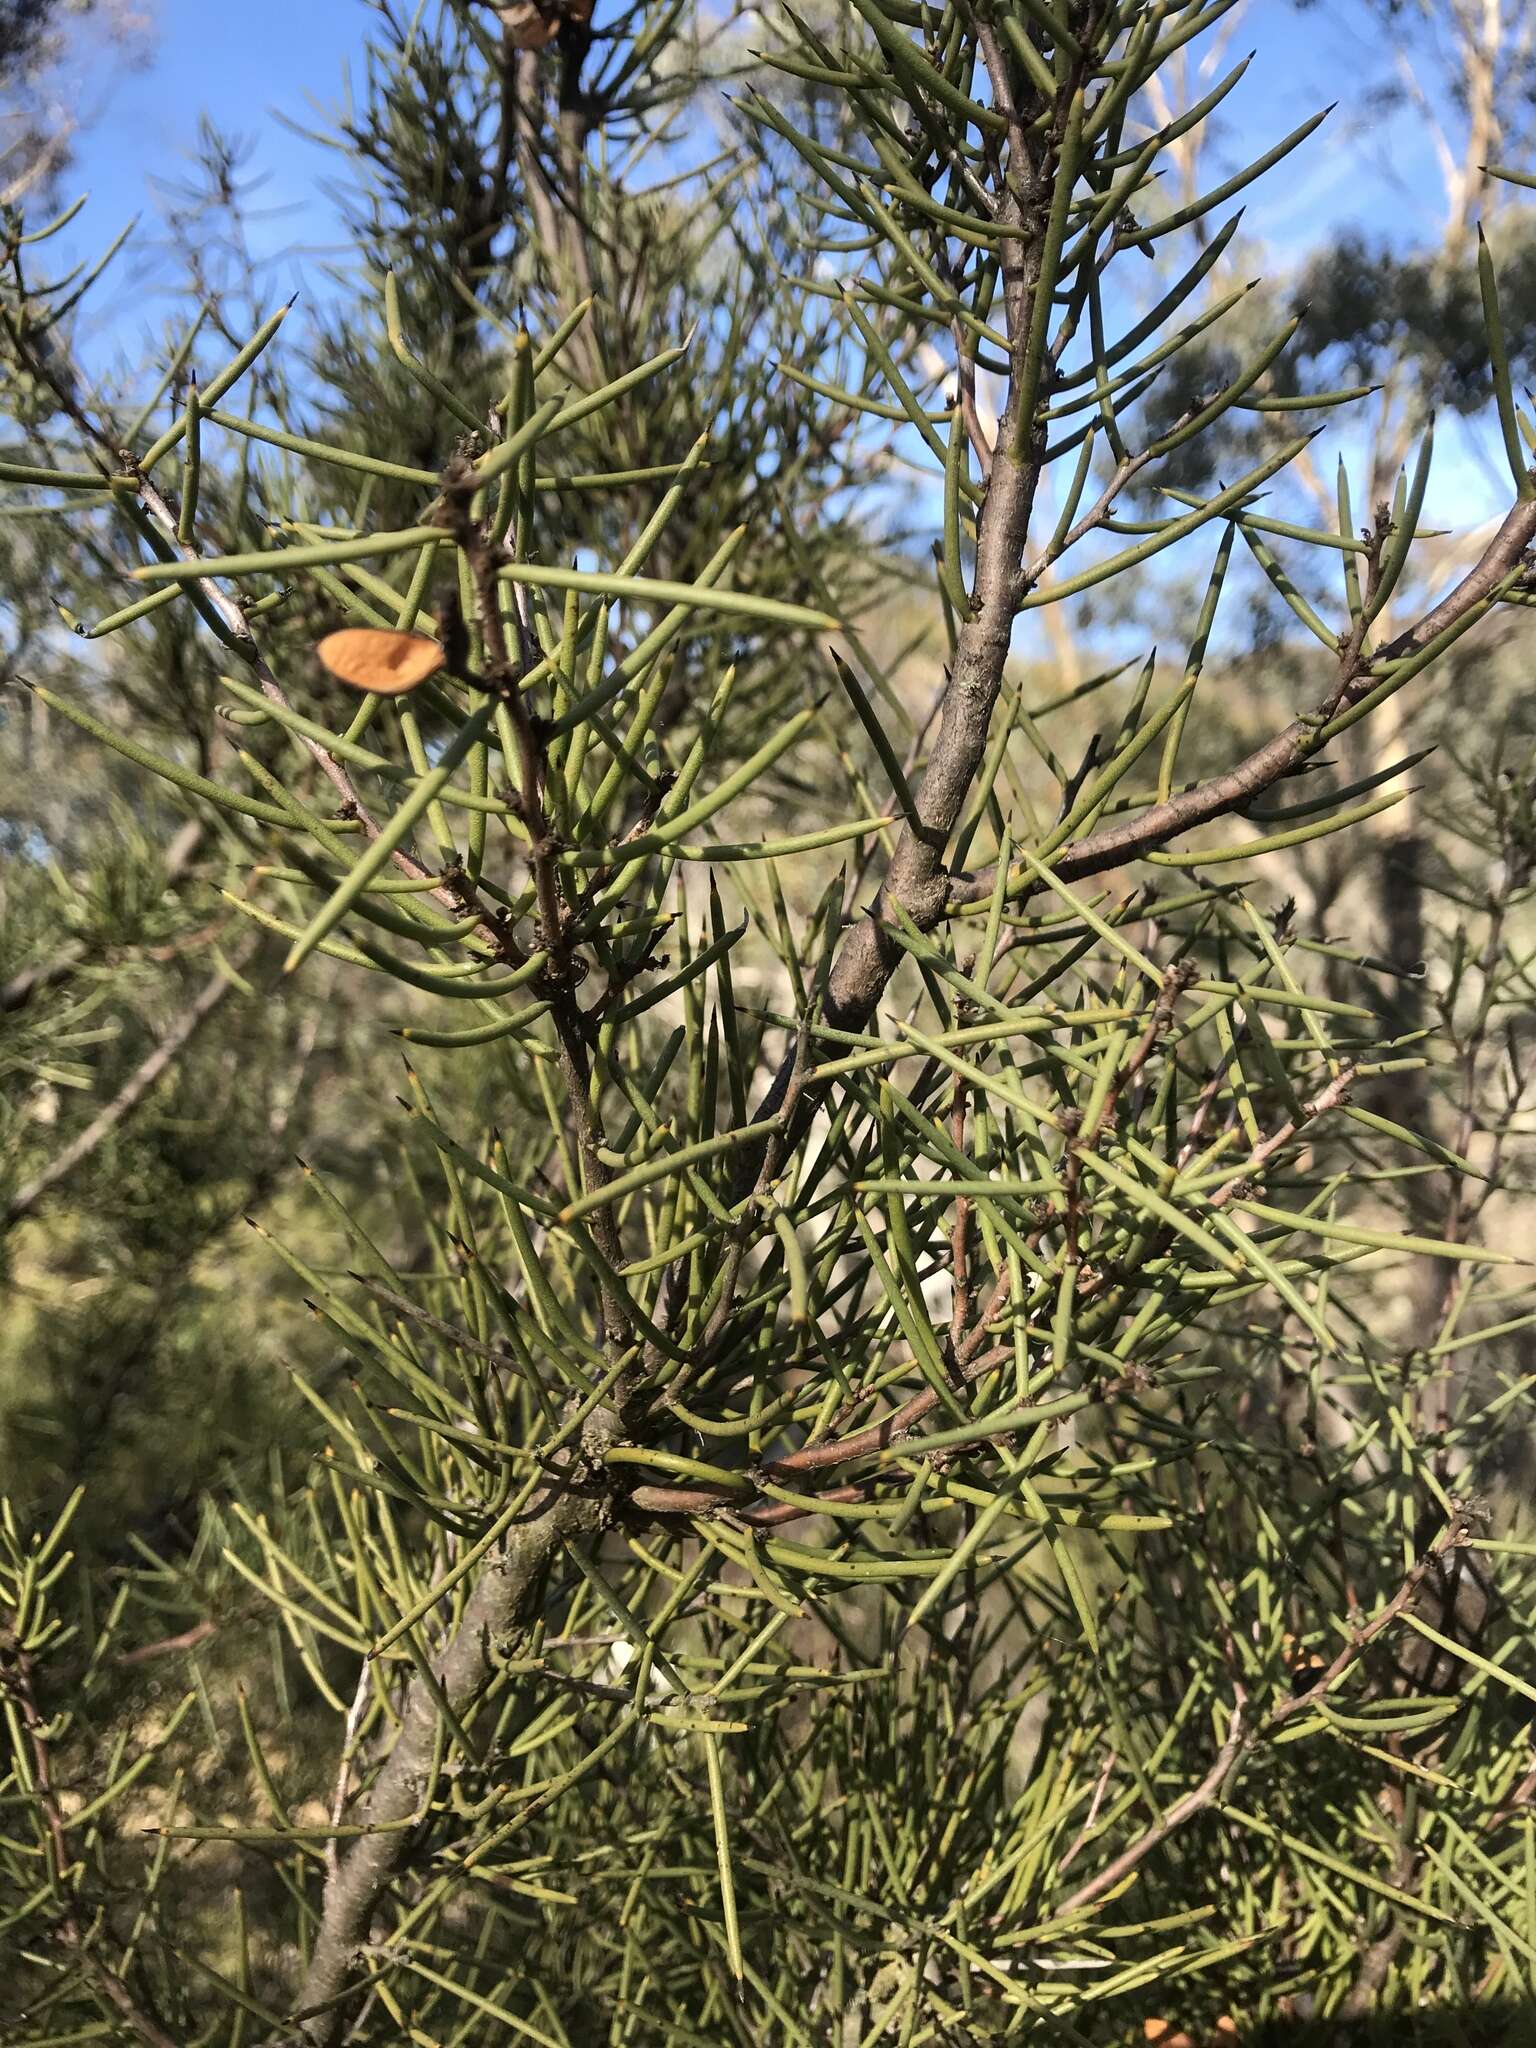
pixel 873 1507
pixel 45 46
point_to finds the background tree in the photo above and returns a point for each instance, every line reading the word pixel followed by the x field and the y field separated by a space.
pixel 45 51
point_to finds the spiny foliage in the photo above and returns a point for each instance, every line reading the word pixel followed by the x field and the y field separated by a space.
pixel 883 1496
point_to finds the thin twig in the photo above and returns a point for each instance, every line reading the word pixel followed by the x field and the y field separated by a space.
pixel 16 1678
pixel 123 1103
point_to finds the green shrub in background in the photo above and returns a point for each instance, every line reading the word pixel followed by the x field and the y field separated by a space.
pixel 870 1481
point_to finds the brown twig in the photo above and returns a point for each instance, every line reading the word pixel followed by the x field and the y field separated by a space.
pixel 1149 830
pixel 1364 1633
pixel 167 1646
pixel 960 1231
pixel 123 1103
pixel 558 980
pixel 1242 1740
pixel 1182 1811
pixel 16 1678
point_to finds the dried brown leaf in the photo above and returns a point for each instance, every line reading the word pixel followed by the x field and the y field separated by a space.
pixel 372 658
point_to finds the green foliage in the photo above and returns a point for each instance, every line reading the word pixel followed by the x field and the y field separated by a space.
pixel 897 1457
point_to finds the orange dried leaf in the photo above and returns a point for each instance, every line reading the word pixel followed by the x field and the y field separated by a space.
pixel 372 658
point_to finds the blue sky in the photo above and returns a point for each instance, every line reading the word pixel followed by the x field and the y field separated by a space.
pixel 244 64
pixel 247 63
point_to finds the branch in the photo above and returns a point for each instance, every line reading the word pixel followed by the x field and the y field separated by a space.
pixel 1194 1801
pixel 1450 1538
pixel 167 1646
pixel 1242 1741
pixel 16 993
pixel 575 1501
pixel 890 1430
pixel 503 1594
pixel 1127 839
pixel 122 1105
pixel 558 980
pixel 16 1679
pixel 916 877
